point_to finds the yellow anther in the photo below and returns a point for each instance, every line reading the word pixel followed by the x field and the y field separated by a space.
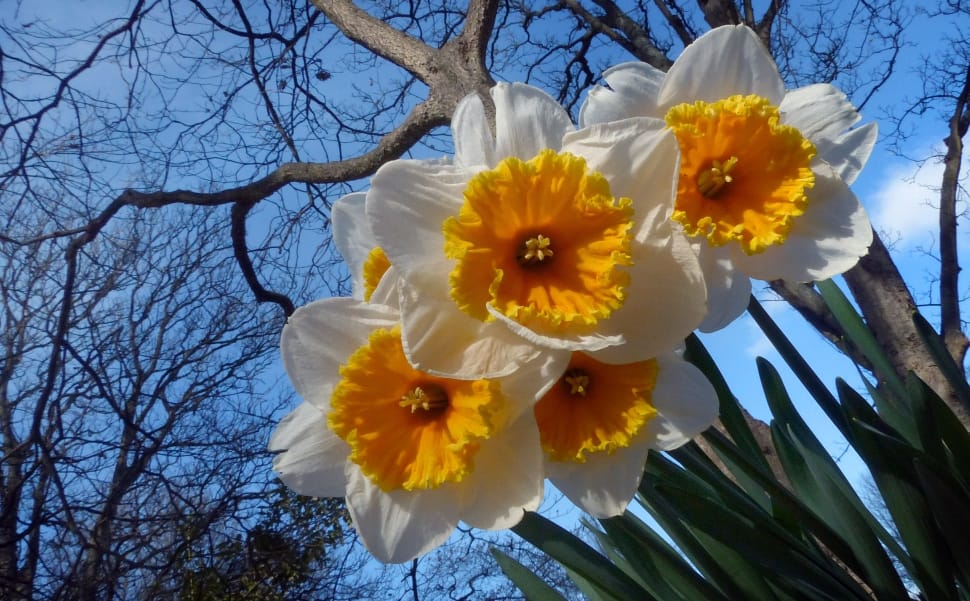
pixel 535 250
pixel 577 381
pixel 712 180
pixel 429 398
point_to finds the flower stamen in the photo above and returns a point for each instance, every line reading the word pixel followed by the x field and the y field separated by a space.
pixel 534 251
pixel 712 180
pixel 576 381
pixel 429 398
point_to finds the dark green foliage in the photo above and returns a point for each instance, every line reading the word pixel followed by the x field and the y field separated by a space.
pixel 279 557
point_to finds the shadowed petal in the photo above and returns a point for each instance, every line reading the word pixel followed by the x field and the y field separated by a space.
pixel 398 526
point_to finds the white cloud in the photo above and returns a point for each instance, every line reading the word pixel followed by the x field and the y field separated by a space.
pixel 905 205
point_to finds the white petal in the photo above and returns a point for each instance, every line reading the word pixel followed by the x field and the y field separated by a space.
pixel 386 292
pixel 313 458
pixel 398 526
pixel 508 477
pixel 666 300
pixel 632 92
pixel 534 332
pixel 685 401
pixel 442 340
pixel 640 160
pixel 352 236
pixel 320 336
pixel 407 204
pixel 827 240
pixel 824 115
pixel 527 120
pixel 725 61
pixel 605 483
pixel 472 135
pixel 533 379
pixel 849 153
pixel 728 289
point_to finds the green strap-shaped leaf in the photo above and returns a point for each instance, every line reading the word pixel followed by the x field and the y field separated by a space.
pixel 533 587
pixel 576 555
pixel 802 370
pixel 944 361
pixel 890 460
pixel 662 569
pixel 861 336
pixel 730 411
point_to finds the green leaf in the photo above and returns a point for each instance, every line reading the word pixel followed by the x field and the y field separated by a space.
pixel 802 370
pixel 944 361
pixel 890 460
pixel 661 568
pixel 940 431
pixel 579 557
pixel 783 558
pixel 949 507
pixel 730 414
pixel 533 587
pixel 860 335
pixel 730 573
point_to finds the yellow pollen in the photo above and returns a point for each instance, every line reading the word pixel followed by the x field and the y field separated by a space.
pixel 577 381
pixel 714 178
pixel 502 243
pixel 429 398
pixel 744 176
pixel 534 251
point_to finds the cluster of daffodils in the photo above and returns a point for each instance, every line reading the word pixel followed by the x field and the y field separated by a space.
pixel 517 310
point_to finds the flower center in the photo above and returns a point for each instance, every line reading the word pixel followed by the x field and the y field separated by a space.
pixel 405 428
pixel 534 250
pixel 595 407
pixel 576 381
pixel 375 266
pixel 429 398
pixel 712 180
pixel 502 241
pixel 743 175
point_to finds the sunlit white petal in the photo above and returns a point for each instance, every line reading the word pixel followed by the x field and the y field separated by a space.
pixel 352 236
pixel 313 458
pixel 319 337
pixel 508 477
pixel 527 120
pixel 633 90
pixel 398 526
pixel 685 401
pixel 724 61
pixel 604 485
pixel 665 300
pixel 728 289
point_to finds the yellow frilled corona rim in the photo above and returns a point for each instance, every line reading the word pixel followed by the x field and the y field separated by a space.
pixel 375 266
pixel 406 429
pixel 743 176
pixel 595 407
pixel 543 241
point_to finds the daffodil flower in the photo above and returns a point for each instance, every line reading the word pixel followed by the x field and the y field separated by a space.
pixel 537 239
pixel 365 260
pixel 764 171
pixel 412 453
pixel 599 421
